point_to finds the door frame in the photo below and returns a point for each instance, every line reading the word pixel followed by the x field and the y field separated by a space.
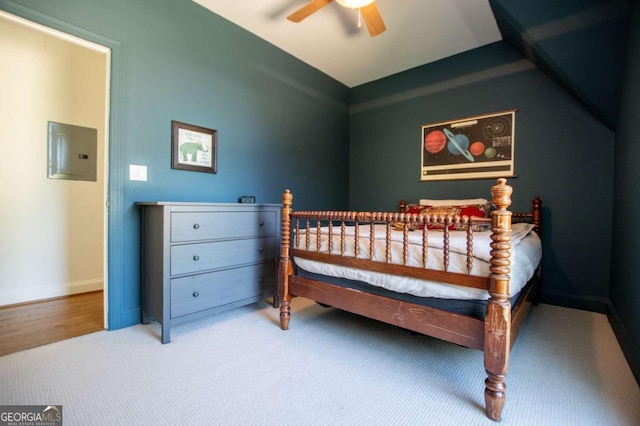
pixel 112 230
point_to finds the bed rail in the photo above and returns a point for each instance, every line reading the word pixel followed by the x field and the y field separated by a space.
pixel 369 230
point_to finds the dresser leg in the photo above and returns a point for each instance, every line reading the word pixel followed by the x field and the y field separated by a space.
pixel 166 338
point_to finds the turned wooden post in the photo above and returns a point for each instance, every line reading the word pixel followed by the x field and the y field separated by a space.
pixel 497 332
pixel 537 215
pixel 402 206
pixel 285 268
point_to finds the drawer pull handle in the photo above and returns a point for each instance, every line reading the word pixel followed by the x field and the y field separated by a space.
pixel 196 294
pixel 261 223
pixel 261 250
pixel 196 258
pixel 261 280
pixel 196 226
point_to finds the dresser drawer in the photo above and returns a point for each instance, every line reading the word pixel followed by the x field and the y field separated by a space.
pixel 196 293
pixel 208 225
pixel 189 258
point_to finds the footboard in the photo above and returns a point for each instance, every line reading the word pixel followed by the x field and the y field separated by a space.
pixel 364 240
pixel 322 236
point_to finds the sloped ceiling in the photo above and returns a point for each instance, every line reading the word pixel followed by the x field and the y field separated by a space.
pixel 579 43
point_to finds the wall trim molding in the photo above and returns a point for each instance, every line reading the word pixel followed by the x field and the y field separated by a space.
pixel 604 306
pixel 585 303
pixel 32 294
pixel 624 339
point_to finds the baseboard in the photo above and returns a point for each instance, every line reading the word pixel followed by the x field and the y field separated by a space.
pixel 585 303
pixel 30 294
pixel 603 306
pixel 629 350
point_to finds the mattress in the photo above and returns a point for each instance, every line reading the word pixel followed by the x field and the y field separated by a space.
pixel 526 254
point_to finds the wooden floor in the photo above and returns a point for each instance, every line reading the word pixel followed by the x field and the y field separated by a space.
pixel 34 324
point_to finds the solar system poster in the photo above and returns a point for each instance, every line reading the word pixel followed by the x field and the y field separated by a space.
pixel 469 148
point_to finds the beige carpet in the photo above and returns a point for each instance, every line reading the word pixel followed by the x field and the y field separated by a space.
pixel 330 368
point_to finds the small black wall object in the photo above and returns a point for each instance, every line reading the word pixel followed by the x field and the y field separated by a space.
pixel 247 199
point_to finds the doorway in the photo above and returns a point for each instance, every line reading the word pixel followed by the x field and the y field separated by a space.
pixel 54 232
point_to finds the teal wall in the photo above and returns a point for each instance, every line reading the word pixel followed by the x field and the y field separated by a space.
pixel 562 153
pixel 625 275
pixel 281 124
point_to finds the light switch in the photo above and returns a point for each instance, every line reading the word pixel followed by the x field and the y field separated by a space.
pixel 137 172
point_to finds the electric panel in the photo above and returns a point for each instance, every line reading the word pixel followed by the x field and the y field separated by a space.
pixel 72 152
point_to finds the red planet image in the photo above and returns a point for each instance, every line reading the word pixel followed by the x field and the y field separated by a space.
pixel 476 148
pixel 435 141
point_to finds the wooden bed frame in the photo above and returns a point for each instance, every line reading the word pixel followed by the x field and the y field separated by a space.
pixel 494 336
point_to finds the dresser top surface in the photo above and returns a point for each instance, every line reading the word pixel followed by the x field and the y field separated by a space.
pixel 200 204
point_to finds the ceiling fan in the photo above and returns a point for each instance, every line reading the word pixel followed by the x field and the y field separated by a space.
pixel 367 8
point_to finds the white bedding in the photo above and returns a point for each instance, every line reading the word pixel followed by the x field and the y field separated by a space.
pixel 526 253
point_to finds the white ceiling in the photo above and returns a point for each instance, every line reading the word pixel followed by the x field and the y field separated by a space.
pixel 418 32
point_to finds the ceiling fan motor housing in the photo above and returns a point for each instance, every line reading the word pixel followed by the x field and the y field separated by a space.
pixel 354 4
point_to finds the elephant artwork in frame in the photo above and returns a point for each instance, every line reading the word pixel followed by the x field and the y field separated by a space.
pixel 193 148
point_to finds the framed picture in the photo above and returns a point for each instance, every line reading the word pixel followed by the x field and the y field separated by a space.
pixel 475 147
pixel 193 148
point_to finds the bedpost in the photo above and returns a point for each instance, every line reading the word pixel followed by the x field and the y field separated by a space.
pixel 497 326
pixel 285 267
pixel 537 215
pixel 402 206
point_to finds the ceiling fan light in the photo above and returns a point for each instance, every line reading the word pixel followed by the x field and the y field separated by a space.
pixel 354 4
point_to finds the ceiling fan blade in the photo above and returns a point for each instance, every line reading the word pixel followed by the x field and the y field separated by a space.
pixel 308 9
pixel 373 19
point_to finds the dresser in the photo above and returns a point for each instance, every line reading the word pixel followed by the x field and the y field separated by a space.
pixel 202 258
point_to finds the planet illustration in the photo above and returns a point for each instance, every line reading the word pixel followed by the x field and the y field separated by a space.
pixel 490 152
pixel 435 141
pixel 458 144
pixel 476 148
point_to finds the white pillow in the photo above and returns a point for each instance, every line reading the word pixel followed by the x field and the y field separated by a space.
pixel 463 202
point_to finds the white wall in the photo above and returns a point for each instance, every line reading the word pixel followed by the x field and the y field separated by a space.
pixel 51 231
